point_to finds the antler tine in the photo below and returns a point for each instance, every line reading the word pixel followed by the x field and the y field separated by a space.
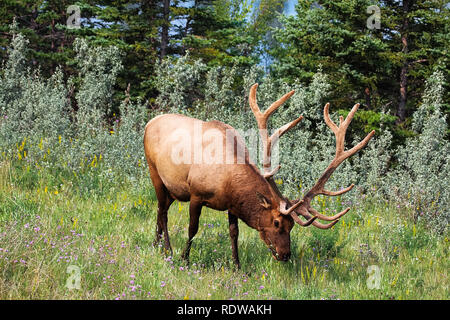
pixel 338 193
pixel 350 115
pixel 282 130
pixel 324 226
pixel 327 218
pixel 274 106
pixel 271 173
pixel 253 103
pixel 292 213
pixel 302 223
pixel 328 121
pixel 304 207
pixel 360 145
pixel 291 209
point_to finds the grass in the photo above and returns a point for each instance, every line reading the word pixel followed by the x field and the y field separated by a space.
pixel 57 226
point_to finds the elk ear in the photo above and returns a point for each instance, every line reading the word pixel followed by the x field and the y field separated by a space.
pixel 263 200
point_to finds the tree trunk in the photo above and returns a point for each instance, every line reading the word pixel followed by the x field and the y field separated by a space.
pixel 401 111
pixel 367 96
pixel 165 29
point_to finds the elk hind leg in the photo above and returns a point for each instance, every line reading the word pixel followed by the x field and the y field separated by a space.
pixel 195 209
pixel 164 202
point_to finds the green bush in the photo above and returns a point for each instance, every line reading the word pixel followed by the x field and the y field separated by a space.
pixel 38 126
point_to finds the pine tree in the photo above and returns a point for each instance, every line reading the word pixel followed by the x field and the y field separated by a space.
pixel 216 31
pixel 380 67
pixel 43 23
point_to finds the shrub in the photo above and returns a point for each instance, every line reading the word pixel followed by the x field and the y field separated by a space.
pixel 423 174
pixel 36 124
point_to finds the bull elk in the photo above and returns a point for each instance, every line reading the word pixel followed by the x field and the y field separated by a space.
pixel 236 186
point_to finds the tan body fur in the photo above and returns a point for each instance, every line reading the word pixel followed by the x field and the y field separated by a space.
pixel 233 187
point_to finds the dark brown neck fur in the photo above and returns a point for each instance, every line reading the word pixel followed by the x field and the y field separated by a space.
pixel 245 204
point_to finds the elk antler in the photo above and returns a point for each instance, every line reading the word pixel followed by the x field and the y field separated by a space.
pixel 261 119
pixel 304 206
pixel 268 172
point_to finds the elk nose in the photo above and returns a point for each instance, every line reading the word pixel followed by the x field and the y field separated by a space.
pixel 285 257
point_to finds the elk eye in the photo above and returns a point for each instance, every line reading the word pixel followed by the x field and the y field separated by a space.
pixel 276 223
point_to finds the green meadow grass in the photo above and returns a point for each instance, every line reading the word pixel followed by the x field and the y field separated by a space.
pixel 57 226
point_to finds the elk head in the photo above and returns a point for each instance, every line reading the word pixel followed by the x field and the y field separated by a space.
pixel 275 227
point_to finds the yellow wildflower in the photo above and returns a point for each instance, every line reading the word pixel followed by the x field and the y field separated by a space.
pixel 75 223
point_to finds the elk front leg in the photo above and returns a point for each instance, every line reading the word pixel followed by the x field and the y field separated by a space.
pixel 234 235
pixel 195 209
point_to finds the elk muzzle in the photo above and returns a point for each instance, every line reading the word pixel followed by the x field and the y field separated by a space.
pixel 279 245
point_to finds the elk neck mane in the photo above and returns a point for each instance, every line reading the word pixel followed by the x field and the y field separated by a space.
pixel 244 186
